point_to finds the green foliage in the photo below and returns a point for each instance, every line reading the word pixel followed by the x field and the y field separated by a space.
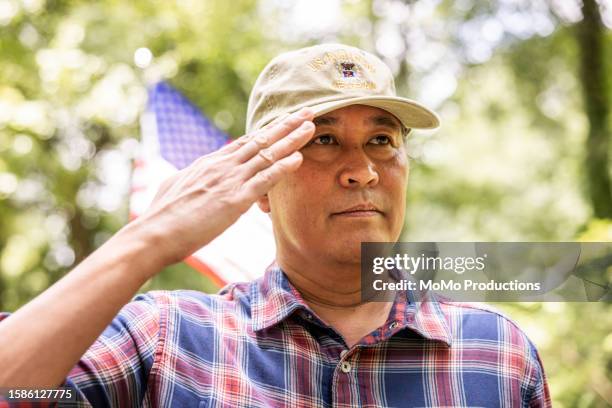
pixel 508 163
pixel 575 343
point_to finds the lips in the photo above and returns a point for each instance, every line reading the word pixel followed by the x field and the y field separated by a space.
pixel 364 209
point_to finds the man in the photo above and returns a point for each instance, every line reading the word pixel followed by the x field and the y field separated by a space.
pixel 300 335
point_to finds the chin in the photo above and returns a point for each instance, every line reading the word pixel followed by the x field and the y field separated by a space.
pixel 360 236
pixel 348 257
pixel 349 250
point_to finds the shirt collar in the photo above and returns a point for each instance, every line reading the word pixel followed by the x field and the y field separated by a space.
pixel 429 319
pixel 274 299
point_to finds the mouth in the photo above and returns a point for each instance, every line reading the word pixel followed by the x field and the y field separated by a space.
pixel 359 211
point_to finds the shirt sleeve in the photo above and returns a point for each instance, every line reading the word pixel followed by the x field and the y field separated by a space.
pixel 539 395
pixel 115 370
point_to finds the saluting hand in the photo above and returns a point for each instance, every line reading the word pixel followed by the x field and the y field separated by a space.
pixel 201 201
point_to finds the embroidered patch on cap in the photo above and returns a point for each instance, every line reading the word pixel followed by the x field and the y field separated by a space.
pixel 351 76
pixel 348 69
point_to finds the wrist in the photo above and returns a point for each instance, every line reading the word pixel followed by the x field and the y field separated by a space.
pixel 140 246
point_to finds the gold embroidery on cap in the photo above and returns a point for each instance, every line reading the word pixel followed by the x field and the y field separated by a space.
pixel 318 63
pixel 351 76
pixel 357 84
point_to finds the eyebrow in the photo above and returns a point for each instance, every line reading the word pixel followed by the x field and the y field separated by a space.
pixel 325 120
pixel 385 121
pixel 379 120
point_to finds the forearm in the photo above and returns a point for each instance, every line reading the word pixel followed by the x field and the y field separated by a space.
pixel 43 340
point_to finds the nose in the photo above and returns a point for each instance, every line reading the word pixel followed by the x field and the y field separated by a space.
pixel 359 172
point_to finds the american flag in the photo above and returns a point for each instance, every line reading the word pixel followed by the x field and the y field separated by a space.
pixel 174 134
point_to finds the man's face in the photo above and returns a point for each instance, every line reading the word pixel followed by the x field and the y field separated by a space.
pixel 356 157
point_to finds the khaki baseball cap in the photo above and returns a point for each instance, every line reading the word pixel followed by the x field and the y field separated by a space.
pixel 327 77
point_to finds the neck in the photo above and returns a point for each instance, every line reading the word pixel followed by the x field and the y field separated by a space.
pixel 333 292
pixel 331 285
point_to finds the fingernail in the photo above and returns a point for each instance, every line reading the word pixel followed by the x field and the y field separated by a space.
pixel 306 126
pixel 295 157
pixel 305 112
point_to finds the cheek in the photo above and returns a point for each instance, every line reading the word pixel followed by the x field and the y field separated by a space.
pixel 395 181
pixel 296 195
pixel 297 204
pixel 396 172
pixel 312 179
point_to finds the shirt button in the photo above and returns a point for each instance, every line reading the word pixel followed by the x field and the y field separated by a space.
pixel 343 353
pixel 308 316
pixel 393 325
pixel 345 367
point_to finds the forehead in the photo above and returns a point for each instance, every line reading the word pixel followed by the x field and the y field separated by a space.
pixel 365 115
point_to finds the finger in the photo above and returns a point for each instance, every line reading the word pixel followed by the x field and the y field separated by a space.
pixel 282 148
pixel 235 144
pixel 263 181
pixel 269 136
pixel 241 141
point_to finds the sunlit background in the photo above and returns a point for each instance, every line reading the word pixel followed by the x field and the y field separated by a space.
pixel 523 89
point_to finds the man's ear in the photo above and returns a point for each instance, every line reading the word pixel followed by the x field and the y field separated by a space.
pixel 264 203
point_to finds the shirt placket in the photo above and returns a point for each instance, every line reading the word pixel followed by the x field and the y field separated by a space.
pixel 345 387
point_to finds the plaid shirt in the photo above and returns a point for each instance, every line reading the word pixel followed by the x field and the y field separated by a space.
pixel 258 344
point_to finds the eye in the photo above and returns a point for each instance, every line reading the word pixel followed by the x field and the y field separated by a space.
pixel 325 139
pixel 381 140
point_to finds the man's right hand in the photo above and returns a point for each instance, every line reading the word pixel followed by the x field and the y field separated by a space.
pixel 201 201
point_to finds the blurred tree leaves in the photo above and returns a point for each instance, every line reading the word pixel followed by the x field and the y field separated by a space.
pixel 508 163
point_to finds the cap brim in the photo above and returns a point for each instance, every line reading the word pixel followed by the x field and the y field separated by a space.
pixel 412 114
